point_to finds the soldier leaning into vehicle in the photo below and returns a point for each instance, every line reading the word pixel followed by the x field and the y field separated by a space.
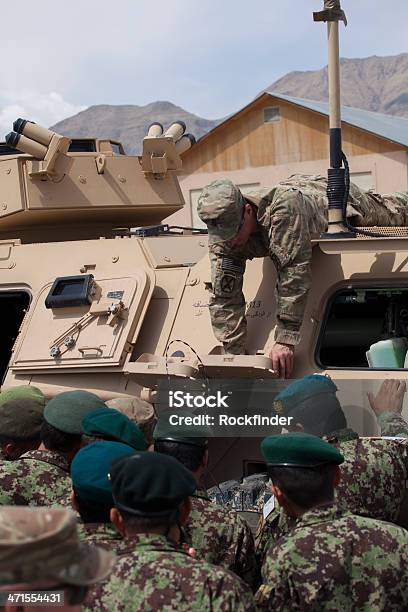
pixel 278 221
pixel 91 494
pixel 21 417
pixel 152 492
pixel 41 477
pixel 218 535
pixel 42 561
pixel 375 470
pixel 331 559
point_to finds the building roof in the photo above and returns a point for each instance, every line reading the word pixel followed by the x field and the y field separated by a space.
pixel 390 127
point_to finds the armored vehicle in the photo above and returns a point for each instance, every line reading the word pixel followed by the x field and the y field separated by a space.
pixel 97 293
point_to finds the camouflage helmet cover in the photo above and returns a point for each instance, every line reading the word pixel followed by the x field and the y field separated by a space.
pixel 220 207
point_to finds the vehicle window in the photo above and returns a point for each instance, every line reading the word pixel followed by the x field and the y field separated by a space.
pixel 357 318
pixel 13 306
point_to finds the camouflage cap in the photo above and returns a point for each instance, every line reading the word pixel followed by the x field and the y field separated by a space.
pixel 22 391
pixel 110 424
pixel 66 410
pixel 90 469
pixel 299 450
pixel 43 543
pixel 21 418
pixel 150 484
pixel 220 207
pixel 138 410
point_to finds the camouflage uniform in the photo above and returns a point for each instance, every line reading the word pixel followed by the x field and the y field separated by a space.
pixel 333 560
pixel 155 575
pixel 221 537
pixel 37 478
pixel 289 215
pixel 393 424
pixel 373 483
pixel 104 535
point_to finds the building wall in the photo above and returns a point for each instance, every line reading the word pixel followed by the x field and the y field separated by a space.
pixel 245 140
pixel 383 173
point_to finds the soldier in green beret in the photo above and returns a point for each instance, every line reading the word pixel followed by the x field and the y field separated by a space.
pixel 91 494
pixel 41 477
pixel 218 535
pixel 375 471
pixel 152 493
pixel 110 424
pixel 278 222
pixel 21 418
pixel 331 559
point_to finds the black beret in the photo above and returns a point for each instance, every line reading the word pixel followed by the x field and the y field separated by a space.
pixel 150 484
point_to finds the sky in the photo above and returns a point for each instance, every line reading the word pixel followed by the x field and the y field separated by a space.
pixel 210 57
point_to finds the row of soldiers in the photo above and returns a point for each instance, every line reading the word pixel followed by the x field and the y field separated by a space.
pixel 87 512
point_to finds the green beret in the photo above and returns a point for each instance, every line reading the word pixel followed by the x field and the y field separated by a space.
pixel 22 391
pixel 310 399
pixel 299 450
pixel 111 424
pixel 66 410
pixel 90 469
pixel 150 484
pixel 195 435
pixel 21 418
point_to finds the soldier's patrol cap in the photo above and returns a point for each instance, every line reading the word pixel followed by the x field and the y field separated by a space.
pixel 220 206
pixel 90 469
pixel 66 410
pixel 22 391
pixel 311 398
pixel 43 544
pixel 21 418
pixel 110 424
pixel 150 484
pixel 299 450
pixel 194 435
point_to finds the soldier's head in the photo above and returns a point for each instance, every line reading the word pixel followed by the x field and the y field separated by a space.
pixel 21 416
pixel 110 424
pixel 40 550
pixel 313 404
pixel 91 486
pixel 139 411
pixel 62 428
pixel 229 217
pixel 152 493
pixel 187 444
pixel 304 470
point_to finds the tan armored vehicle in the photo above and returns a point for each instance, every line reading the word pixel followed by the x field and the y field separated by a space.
pixel 115 311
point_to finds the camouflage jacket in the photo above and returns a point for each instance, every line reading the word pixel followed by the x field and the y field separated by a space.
pixel 103 534
pixel 393 424
pixel 289 215
pixel 223 538
pixel 373 483
pixel 157 575
pixel 37 478
pixel 334 560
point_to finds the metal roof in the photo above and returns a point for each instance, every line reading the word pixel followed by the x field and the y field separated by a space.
pixel 390 127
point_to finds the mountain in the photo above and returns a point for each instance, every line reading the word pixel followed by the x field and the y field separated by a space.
pixel 129 123
pixel 378 84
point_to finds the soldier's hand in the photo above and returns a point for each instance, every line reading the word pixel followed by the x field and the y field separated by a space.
pixel 189 550
pixel 282 356
pixel 389 398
